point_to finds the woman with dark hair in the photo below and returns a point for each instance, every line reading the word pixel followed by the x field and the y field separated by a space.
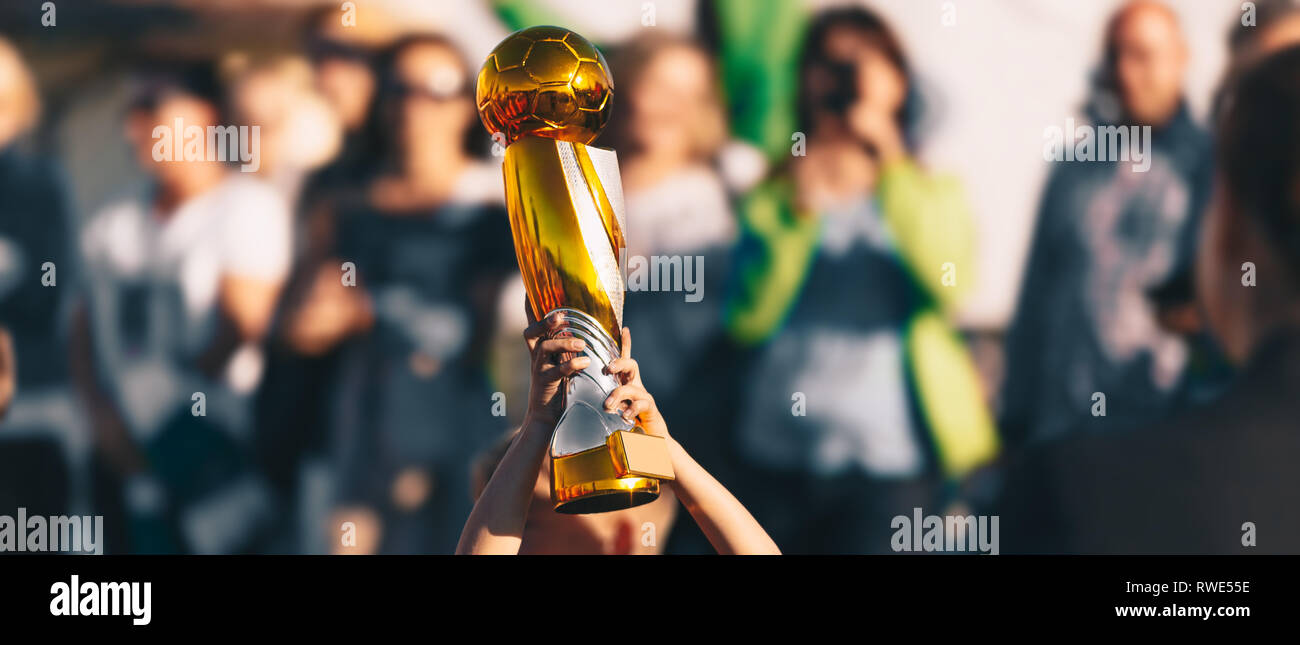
pixel 850 256
pixel 1220 477
pixel 428 256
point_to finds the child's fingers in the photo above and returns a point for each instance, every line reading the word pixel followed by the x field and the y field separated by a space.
pixel 628 368
pixel 630 392
pixel 535 330
pixel 539 328
pixel 567 368
pixel 561 345
pixel 638 406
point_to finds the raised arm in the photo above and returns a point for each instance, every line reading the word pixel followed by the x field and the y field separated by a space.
pixel 725 521
pixel 496 525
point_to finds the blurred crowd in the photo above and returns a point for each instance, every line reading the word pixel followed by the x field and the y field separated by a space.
pixel 309 357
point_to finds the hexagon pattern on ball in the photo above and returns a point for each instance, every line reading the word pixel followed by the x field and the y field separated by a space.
pixel 548 82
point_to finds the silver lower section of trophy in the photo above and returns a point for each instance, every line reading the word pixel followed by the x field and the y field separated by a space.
pixel 585 423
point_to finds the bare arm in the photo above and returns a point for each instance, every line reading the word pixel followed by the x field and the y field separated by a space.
pixel 725 521
pixel 496 525
pixel 250 304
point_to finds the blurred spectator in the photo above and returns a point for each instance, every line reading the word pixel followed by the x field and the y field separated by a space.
pixel 34 212
pixel 859 397
pixel 412 404
pixel 1106 238
pixel 39 434
pixel 344 75
pixel 1197 482
pixel 182 279
pixel 292 423
pixel 300 131
pixel 1276 27
pixel 343 71
pixel 668 130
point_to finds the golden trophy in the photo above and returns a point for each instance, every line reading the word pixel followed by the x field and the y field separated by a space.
pixel 545 93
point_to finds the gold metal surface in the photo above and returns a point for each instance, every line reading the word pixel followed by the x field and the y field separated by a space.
pixel 586 482
pixel 637 454
pixel 554 257
pixel 548 82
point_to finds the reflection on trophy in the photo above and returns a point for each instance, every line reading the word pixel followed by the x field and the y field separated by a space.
pixel 545 93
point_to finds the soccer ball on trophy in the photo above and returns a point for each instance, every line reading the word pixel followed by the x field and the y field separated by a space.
pixel 545 81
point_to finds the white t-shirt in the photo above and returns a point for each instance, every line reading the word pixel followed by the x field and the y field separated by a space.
pixel 682 213
pixel 153 284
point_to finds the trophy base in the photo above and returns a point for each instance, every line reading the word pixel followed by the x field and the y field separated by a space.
pixel 600 461
pixel 586 482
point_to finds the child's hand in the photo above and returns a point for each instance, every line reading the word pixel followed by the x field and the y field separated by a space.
pixel 631 398
pixel 550 365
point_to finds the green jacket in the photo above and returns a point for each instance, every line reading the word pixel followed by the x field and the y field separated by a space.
pixel 931 227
